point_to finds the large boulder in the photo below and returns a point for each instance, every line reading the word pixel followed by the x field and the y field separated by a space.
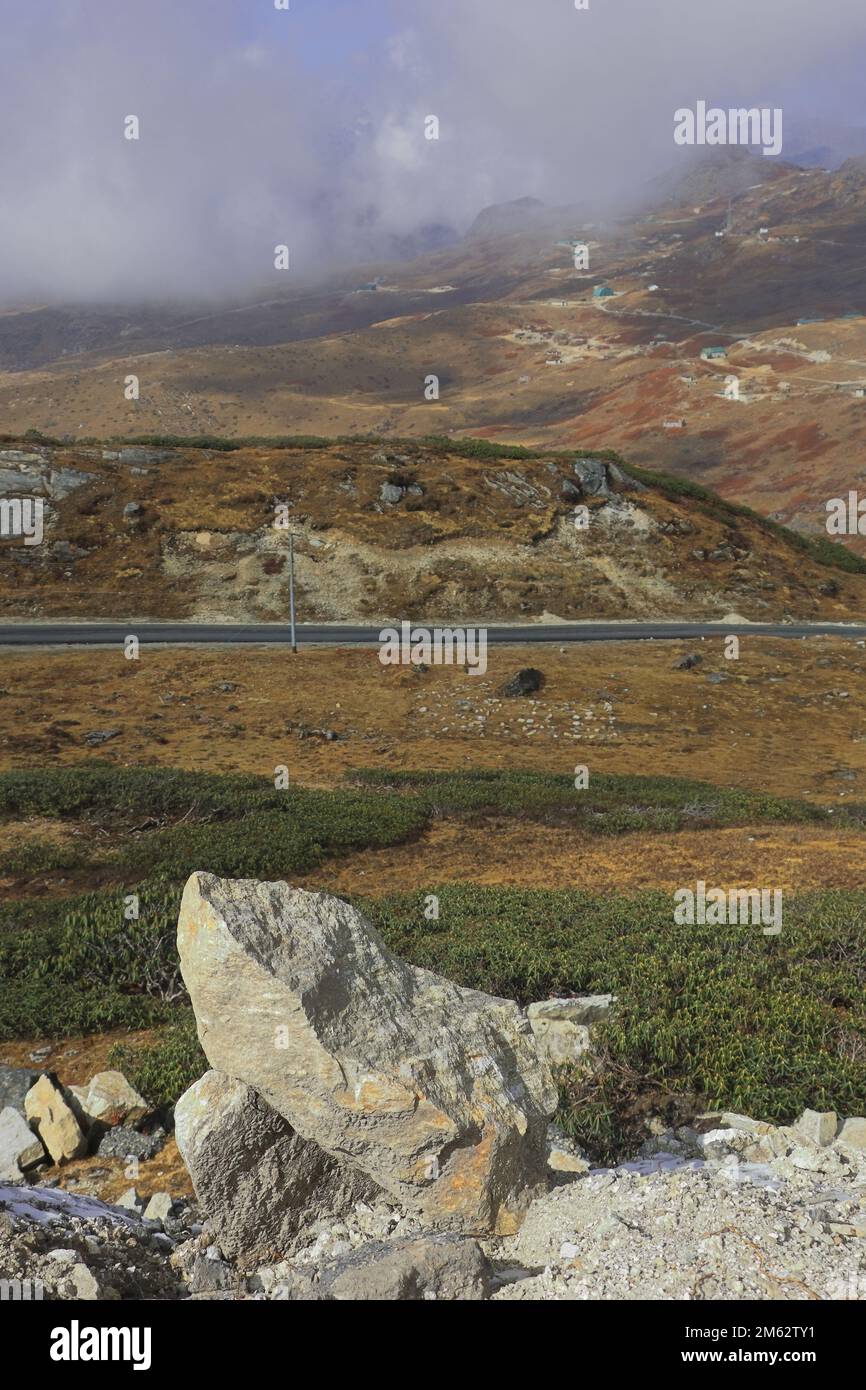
pixel 257 1181
pixel 437 1093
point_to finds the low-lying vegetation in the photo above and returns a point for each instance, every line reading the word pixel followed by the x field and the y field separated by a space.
pixel 610 804
pixel 706 1017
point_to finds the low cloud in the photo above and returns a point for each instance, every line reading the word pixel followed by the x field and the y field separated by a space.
pixel 246 142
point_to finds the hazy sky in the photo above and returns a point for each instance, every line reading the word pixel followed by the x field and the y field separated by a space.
pixel 306 127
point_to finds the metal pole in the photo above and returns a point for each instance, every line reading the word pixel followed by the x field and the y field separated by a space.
pixel 292 587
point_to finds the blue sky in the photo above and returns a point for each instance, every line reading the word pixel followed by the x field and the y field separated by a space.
pixel 327 34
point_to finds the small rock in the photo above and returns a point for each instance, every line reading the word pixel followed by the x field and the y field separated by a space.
pixel 526 682
pixel 731 1120
pixel 129 1200
pixel 563 1155
pixel 688 663
pixel 159 1207
pixel 209 1274
pixel 853 1134
pixel 124 1142
pixel 97 736
pixel 718 1143
pixel 818 1126
pixel 84 1283
pixel 446 1267
pixel 592 476
pixel 51 1115
pixel 583 1008
pixel 20 1148
pixel 108 1099
pixel 15 1082
pixel 391 492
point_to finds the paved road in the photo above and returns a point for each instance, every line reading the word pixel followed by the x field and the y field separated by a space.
pixel 340 634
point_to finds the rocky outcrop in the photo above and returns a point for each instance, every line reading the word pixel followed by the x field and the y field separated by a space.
pixel 258 1181
pixel 436 1093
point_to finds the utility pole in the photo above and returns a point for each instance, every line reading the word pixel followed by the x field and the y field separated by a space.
pixel 292 588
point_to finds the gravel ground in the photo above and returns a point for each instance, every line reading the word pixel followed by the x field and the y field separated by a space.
pixel 670 1229
pixel 667 1227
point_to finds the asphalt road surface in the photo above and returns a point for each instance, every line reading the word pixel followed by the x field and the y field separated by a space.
pixel 350 634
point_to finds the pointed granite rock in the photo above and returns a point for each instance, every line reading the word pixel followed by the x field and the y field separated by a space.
pixel 436 1093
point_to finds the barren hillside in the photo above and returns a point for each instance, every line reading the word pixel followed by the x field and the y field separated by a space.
pixel 422 530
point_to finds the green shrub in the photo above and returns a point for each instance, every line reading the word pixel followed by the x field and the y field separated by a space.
pixel 611 804
pixel 100 786
pixel 164 1070
pixel 310 827
pixel 763 1025
pixel 48 1008
pixel 98 944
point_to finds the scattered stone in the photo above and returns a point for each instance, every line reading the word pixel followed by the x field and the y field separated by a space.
pixel 730 1120
pixel 391 492
pixel 136 454
pixel 208 1273
pixel 561 1026
pixel 124 1142
pixel 54 1120
pixel 15 1082
pixel 592 476
pixel 437 1093
pixel 624 481
pixel 818 1126
pixel 159 1207
pixel 129 1200
pixel 257 1181
pixel 526 682
pixel 20 1148
pixel 688 663
pixel 581 1008
pixel 853 1134
pixel 97 736
pixel 563 1155
pixel 428 1268
pixel 62 481
pixel 84 1283
pixel 108 1099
